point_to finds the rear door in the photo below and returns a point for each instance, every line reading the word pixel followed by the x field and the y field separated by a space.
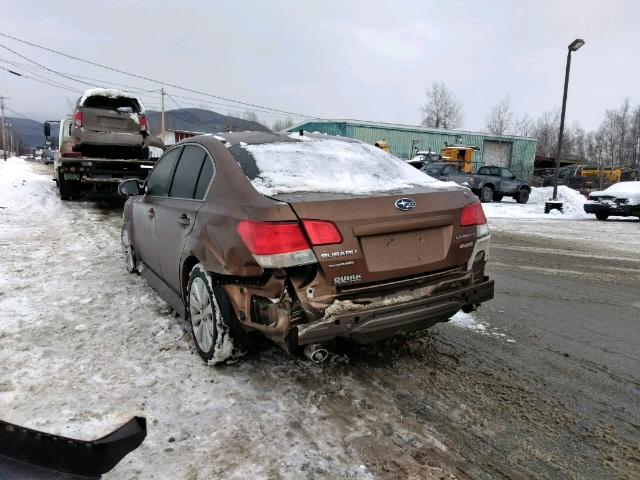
pixel 146 207
pixel 176 216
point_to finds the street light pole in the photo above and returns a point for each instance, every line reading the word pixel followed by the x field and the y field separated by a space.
pixel 554 204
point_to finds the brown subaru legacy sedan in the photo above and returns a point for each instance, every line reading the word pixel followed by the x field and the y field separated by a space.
pixel 304 238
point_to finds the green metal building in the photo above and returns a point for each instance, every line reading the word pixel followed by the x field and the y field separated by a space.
pixel 515 152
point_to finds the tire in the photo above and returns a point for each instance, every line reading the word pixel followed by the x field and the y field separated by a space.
pixel 214 326
pixel 64 189
pixel 522 196
pixel 486 194
pixel 602 216
pixel 130 260
pixel 497 197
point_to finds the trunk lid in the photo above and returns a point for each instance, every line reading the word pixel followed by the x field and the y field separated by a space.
pixel 383 242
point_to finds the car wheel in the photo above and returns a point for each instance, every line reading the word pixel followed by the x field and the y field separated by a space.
pixel 497 197
pixel 602 216
pixel 130 260
pixel 64 189
pixel 486 194
pixel 212 319
pixel 522 196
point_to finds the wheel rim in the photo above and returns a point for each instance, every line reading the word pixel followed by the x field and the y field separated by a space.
pixel 487 195
pixel 128 251
pixel 201 312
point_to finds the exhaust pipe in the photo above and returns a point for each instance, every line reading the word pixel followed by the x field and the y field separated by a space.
pixel 316 353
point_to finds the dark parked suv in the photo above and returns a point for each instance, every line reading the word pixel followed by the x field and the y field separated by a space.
pixel 286 236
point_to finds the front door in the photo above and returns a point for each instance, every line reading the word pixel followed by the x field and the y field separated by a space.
pixel 509 181
pixel 146 208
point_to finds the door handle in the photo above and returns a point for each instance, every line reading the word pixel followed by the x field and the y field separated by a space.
pixel 184 220
pixel 152 213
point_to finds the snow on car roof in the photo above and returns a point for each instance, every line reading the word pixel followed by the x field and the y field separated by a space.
pixel 629 190
pixel 321 163
pixel 109 93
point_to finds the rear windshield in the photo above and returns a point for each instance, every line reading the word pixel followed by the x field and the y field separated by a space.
pixel 326 165
pixel 124 104
pixel 434 170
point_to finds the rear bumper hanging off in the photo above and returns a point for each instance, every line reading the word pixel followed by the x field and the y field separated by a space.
pixel 34 455
pixel 373 324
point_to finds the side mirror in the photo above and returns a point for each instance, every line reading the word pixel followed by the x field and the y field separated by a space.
pixel 47 129
pixel 129 188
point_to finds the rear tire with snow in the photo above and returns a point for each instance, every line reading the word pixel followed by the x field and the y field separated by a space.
pixel 522 196
pixel 602 216
pixel 214 326
pixel 486 194
pixel 64 188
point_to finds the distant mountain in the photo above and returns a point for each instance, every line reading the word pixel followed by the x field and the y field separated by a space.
pixel 30 132
pixel 189 119
pixel 199 120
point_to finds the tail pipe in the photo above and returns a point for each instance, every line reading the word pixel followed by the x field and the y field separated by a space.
pixel 316 353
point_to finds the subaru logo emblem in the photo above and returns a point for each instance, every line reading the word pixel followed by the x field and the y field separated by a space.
pixel 405 204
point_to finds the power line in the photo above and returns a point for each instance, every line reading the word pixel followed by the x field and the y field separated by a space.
pixel 50 83
pixel 30 68
pixel 42 66
pixel 147 93
pixel 142 77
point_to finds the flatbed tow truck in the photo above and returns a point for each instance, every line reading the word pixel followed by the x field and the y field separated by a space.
pixel 77 176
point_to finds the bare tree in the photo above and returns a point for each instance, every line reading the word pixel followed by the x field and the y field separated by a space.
pixel 250 116
pixel 523 126
pixel 500 119
pixel 282 124
pixel 442 109
pixel 546 131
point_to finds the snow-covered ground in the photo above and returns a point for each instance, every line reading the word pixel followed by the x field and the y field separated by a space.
pixel 573 224
pixel 86 345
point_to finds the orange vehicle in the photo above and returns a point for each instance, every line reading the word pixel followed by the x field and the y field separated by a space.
pixel 461 155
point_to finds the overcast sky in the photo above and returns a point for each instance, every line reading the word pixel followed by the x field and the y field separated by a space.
pixel 366 60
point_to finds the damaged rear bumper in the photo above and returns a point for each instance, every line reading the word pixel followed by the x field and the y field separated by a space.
pixel 367 325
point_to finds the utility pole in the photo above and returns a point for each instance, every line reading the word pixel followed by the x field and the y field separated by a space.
pixel 10 138
pixel 162 114
pixel 4 137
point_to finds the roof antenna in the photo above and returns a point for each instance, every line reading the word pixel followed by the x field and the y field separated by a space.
pixel 301 133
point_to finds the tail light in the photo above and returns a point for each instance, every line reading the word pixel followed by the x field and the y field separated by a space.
pixel 472 215
pixel 143 123
pixel 78 118
pixel 322 232
pixel 276 244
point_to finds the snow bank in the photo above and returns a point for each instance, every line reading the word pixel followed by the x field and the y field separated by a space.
pixel 508 208
pixel 330 165
pixel 628 190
